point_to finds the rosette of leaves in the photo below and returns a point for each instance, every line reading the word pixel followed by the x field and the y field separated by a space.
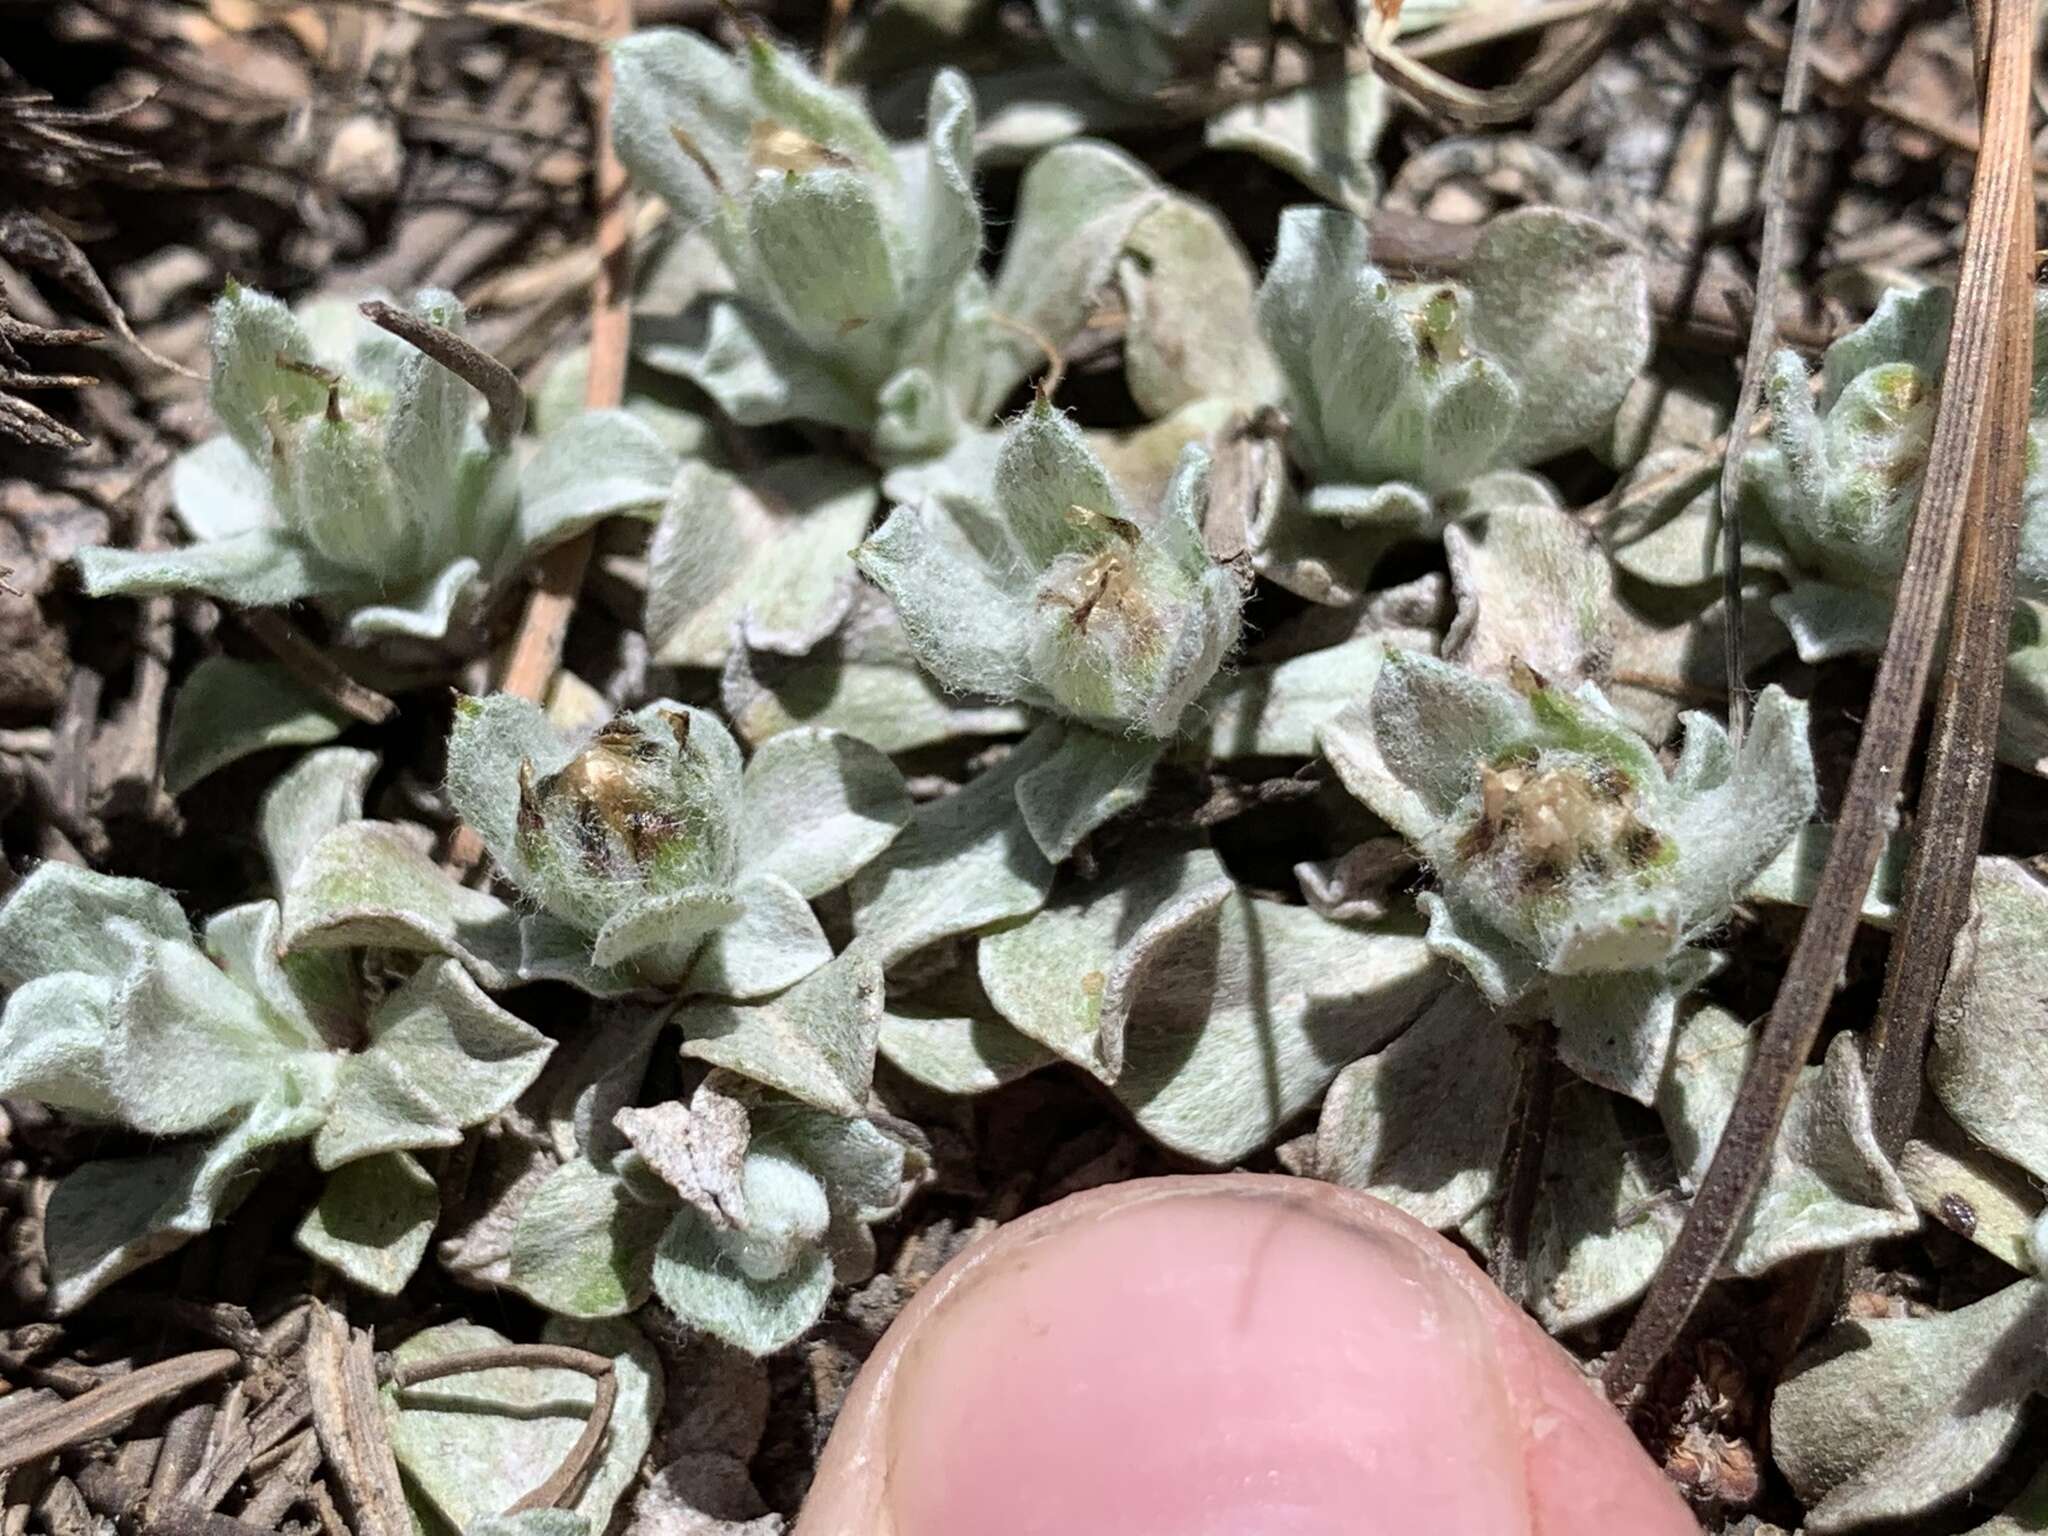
pixel 1841 474
pixel 228 1047
pixel 353 473
pixel 653 858
pixel 854 295
pixel 1064 599
pixel 1403 398
pixel 1574 873
pixel 739 1210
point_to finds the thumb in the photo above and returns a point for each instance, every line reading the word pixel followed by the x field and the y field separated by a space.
pixel 1226 1355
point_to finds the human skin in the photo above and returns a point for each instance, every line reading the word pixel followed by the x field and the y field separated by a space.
pixel 1226 1355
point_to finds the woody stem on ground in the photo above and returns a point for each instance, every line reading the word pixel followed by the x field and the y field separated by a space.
pixel 1969 418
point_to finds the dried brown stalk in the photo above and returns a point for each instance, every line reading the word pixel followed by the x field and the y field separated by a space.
pixel 342 1379
pixel 1763 340
pixel 1502 104
pixel 1962 755
pixel 1521 1171
pixel 482 372
pixel 313 667
pixel 1985 300
pixel 544 626
pixel 94 1413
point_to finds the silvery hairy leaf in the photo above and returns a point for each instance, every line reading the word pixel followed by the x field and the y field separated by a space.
pixel 226 709
pixel 765 552
pixel 854 298
pixel 1886 1419
pixel 1425 386
pixel 862 679
pixel 1828 1185
pixel 351 472
pixel 1989 1063
pixel 1148 982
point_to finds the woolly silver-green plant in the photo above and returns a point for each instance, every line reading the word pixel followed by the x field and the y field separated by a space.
pixel 1402 399
pixel 1841 474
pixel 1064 598
pixel 353 473
pixel 653 857
pixel 1061 596
pixel 854 295
pixel 227 1047
pixel 1574 874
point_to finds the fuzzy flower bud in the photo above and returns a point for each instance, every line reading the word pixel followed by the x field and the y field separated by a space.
pixel 1063 599
pixel 1566 857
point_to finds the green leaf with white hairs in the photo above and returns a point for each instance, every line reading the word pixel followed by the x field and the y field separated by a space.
pixel 583 1243
pixel 815 1042
pixel 1075 211
pixel 372 1221
pixel 321 791
pixel 817 805
pixel 1888 1419
pixel 965 862
pixel 1090 778
pixel 863 679
pixel 441 1057
pixel 1989 1063
pixel 368 884
pixel 62 918
pixel 1828 1185
pixel 696 1278
pixel 1602 1226
pixel 1421 1124
pixel 768 551
pixel 227 709
pixel 598 464
pixel 1178 990
pixel 1187 289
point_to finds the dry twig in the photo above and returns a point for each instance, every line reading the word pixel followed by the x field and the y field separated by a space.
pixel 92 1414
pixel 561 1484
pixel 1962 755
pixel 342 1379
pixel 1984 297
pixel 1502 104
pixel 313 667
pixel 1763 337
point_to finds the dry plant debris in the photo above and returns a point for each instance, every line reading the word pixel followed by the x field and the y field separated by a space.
pixel 847 619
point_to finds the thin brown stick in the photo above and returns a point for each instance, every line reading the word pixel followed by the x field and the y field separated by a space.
pixel 482 372
pixel 1494 26
pixel 544 627
pixel 560 1485
pixel 1962 755
pixel 94 1413
pixel 1521 1171
pixel 1787 1039
pixel 313 667
pixel 1500 105
pixel 1763 340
